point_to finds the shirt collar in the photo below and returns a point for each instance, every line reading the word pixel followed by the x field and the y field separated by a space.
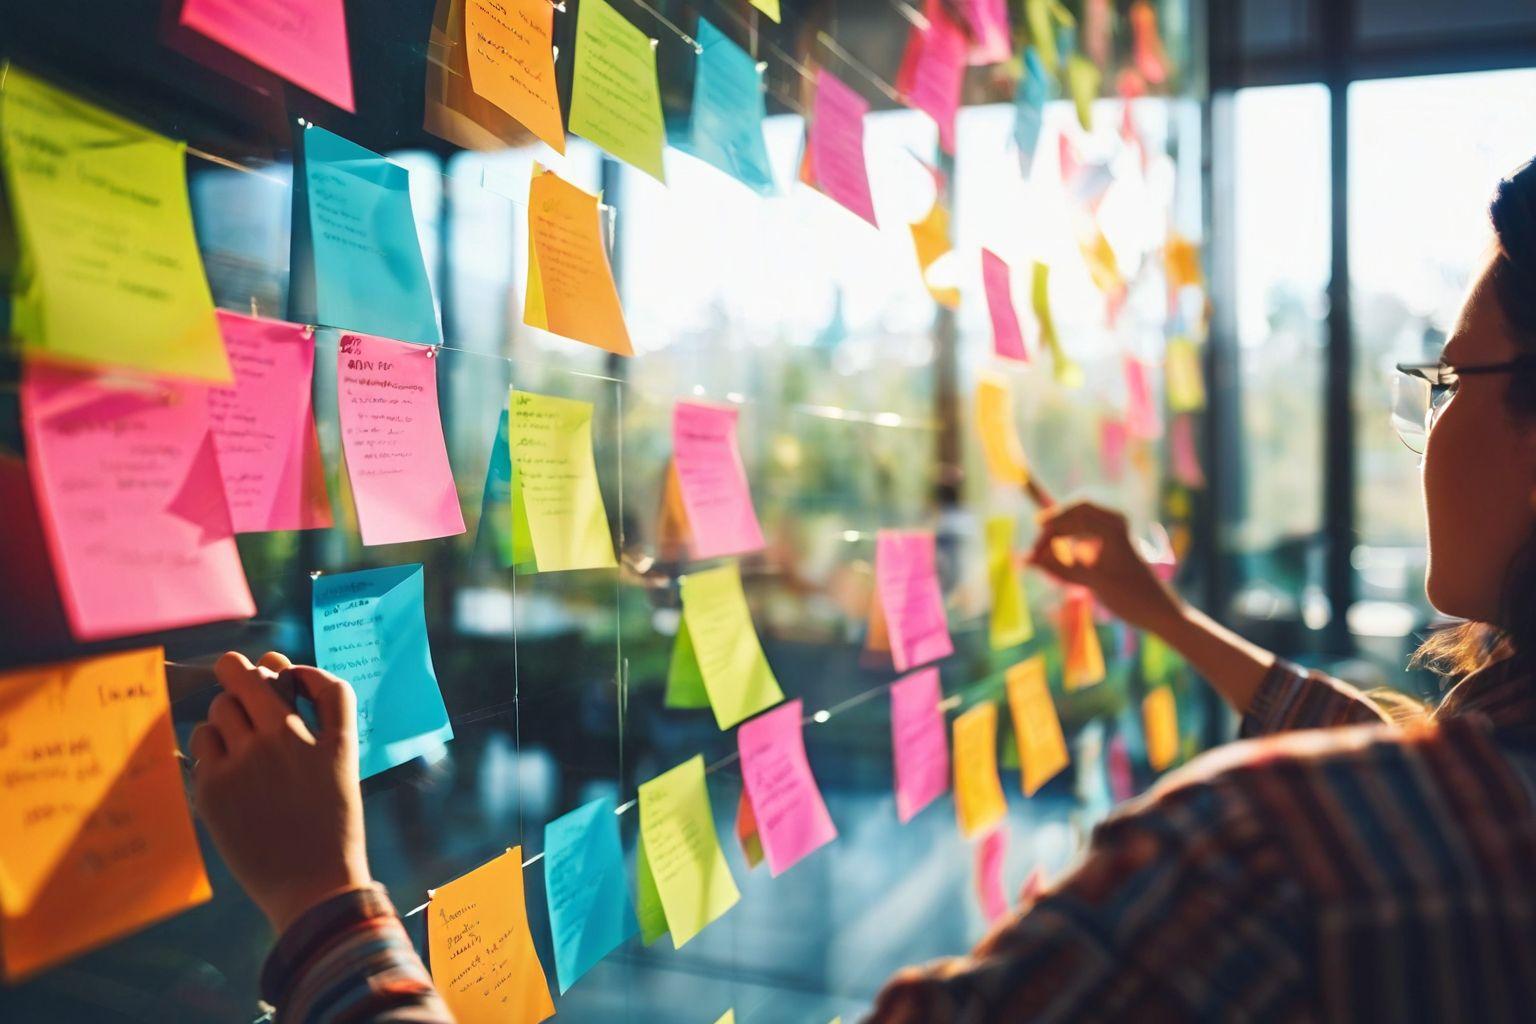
pixel 1507 698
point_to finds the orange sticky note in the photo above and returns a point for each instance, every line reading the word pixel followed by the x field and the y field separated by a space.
pixel 930 238
pixel 1160 721
pixel 1036 727
pixel 979 800
pixel 570 283
pixel 510 51
pixel 95 837
pixel 1082 655
pixel 483 960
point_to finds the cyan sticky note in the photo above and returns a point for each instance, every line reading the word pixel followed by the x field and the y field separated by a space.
pixel 494 534
pixel 371 630
pixel 726 128
pixel 590 913
pixel 356 261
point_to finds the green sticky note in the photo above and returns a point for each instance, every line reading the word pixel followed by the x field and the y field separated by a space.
pixel 677 827
pixel 615 98
pixel 725 647
pixel 685 686
pixel 653 919
pixel 559 520
pixel 1011 623
pixel 108 272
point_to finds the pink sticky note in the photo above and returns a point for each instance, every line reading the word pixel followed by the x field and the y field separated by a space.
pixel 1141 418
pixel 1112 441
pixel 991 35
pixel 1186 461
pixel 835 149
pixel 1007 336
pixel 919 742
pixel 933 71
pixel 392 434
pixel 713 481
pixel 1122 785
pixel 989 874
pixel 304 41
pixel 128 489
pixel 792 819
pixel 264 427
pixel 907 579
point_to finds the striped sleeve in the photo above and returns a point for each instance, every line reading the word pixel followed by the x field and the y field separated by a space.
pixel 348 960
pixel 1290 697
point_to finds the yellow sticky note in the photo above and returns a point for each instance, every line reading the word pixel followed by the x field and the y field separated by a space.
pixel 930 237
pixel 1042 17
pixel 768 7
pixel 1083 81
pixel 683 852
pixel 1103 265
pixel 1183 376
pixel 1036 727
pixel 483 960
pixel 1000 444
pixel 108 271
pixel 558 518
pixel 570 281
pixel 615 98
pixel 979 801
pixel 95 837
pixel 1160 721
pixel 717 627
pixel 1082 655
pixel 511 60
pixel 729 1016
pixel 1011 623
pixel 1181 258
pixel 1067 373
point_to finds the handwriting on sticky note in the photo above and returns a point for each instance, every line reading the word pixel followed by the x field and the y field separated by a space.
pixel 713 481
pixel 615 98
pixel 726 125
pixel 570 282
pixel 1010 623
pixel 305 41
pixel 483 960
pixel 1036 727
pixel 791 816
pixel 979 800
pixel 590 914
pixel 554 486
pixel 511 58
pixel 835 146
pixel 906 577
pixel 730 657
pixel 95 836
pixel 682 851
pixel 113 273
pixel 919 744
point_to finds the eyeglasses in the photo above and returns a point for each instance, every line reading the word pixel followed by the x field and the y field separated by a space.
pixel 1421 390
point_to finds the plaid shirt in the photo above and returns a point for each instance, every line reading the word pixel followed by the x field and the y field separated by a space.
pixel 1363 871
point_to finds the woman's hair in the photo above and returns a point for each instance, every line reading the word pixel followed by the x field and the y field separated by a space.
pixel 1512 278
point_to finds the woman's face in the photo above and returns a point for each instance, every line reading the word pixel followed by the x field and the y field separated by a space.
pixel 1479 470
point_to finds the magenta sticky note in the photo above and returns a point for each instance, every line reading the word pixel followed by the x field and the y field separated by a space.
pixel 1141 416
pixel 907 580
pixel 997 281
pixel 919 742
pixel 991 34
pixel 1122 783
pixel 989 874
pixel 713 481
pixel 835 148
pixel 1186 460
pixel 129 493
pixel 392 435
pixel 792 818
pixel 264 427
pixel 1113 438
pixel 933 71
pixel 304 41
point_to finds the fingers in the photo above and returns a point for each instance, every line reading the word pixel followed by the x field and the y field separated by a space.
pixel 227 715
pixel 1081 517
pixel 251 687
pixel 333 699
pixel 1049 557
pixel 205 744
pixel 274 661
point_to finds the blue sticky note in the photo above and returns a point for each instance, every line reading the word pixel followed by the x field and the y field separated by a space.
pixel 590 913
pixel 356 259
pixel 1029 108
pixel 371 630
pixel 727 122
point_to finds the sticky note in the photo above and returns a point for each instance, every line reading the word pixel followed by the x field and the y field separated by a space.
pixel 1036 726
pixel 96 839
pixel 834 152
pixel 718 637
pixel 559 521
pixel 768 7
pixel 991 34
pixel 371 630
pixel 1141 414
pixel 997 282
pixel 1043 17
pixel 590 914
pixel 979 802
pixel 1117 763
pixel 304 41
pixel 264 427
pixel 1181 258
pixel 792 819
pixel 713 480
pixel 1010 623
pixel 989 875
pixel 648 909
pixel 930 240
pixel 919 744
pixel 510 54
pixel 1160 720
pixel 1082 655
pixel 1067 373
pixel 729 1016
pixel 673 536
pixel 933 70
pixel 1083 81
pixel 483 960
pixel 392 435
pixel 682 852
pixel 1182 375
pixel 493 534
pixel 1181 444
pixel 1029 101
pixel 571 291
pixel 1000 444
pixel 357 262
pixel 907 580
pixel 132 503
pixel 746 832
pixel 726 125
pixel 1104 268
pixel 1147 44
pixel 108 272
pixel 1113 437
pixel 615 98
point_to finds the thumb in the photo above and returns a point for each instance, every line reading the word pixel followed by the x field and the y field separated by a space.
pixel 1046 556
pixel 333 699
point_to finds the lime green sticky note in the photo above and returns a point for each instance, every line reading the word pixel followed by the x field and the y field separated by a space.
pixel 768 7
pixel 729 657
pixel 1083 81
pixel 615 98
pixel 558 518
pixel 1011 623
pixel 685 686
pixel 653 919
pixel 108 271
pixel 683 853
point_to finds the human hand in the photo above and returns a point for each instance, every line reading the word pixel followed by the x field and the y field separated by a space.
pixel 1089 545
pixel 283 804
